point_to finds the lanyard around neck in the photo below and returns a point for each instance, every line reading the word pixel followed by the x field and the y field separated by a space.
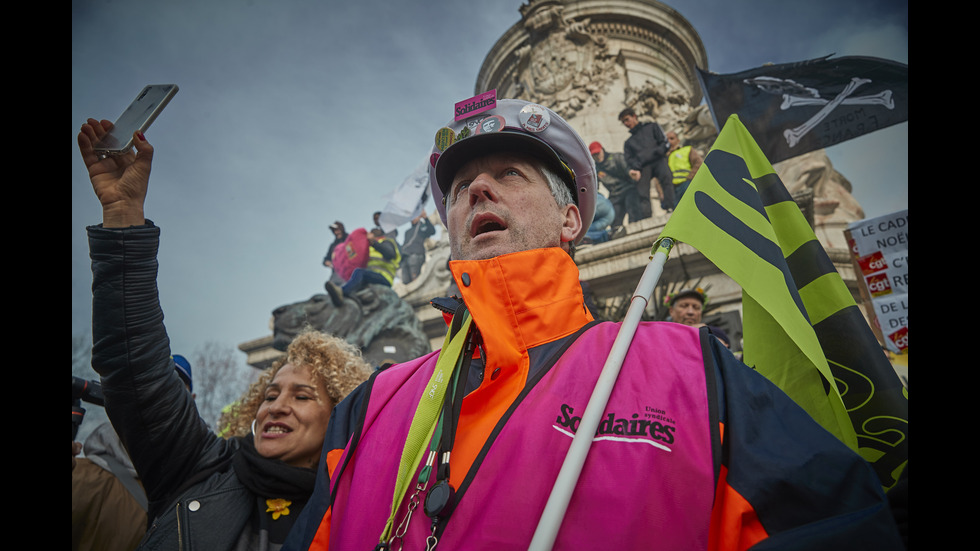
pixel 427 413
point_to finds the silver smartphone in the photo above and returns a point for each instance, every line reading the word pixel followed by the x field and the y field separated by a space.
pixel 138 116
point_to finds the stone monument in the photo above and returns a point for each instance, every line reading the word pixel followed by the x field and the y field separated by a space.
pixel 587 60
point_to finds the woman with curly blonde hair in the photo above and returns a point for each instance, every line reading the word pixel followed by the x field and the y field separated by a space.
pixel 204 492
pixel 331 363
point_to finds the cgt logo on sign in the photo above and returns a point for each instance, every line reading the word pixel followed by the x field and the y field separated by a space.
pixel 612 425
pixel 878 285
pixel 874 262
pixel 900 338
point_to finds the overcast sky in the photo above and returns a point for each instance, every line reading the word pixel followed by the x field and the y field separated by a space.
pixel 295 113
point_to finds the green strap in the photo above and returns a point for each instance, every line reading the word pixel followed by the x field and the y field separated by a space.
pixel 426 417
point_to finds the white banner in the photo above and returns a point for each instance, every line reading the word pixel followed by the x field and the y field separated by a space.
pixel 408 199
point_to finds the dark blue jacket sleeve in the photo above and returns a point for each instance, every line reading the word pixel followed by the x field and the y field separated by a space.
pixel 807 489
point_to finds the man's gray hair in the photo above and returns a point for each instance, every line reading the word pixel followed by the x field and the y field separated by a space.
pixel 559 189
pixel 561 193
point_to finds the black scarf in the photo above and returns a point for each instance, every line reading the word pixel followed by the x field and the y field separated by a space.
pixel 272 479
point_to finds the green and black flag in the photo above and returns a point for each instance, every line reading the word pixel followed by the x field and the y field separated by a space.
pixel 802 328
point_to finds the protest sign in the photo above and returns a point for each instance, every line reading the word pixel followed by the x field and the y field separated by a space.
pixel 880 250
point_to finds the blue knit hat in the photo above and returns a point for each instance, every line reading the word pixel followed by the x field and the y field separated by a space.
pixel 183 369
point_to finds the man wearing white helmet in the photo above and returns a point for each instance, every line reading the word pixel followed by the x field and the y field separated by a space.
pixel 459 449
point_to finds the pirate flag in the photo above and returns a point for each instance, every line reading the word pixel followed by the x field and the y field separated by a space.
pixel 796 108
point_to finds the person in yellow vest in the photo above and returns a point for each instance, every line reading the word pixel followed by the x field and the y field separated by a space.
pixel 382 263
pixel 684 163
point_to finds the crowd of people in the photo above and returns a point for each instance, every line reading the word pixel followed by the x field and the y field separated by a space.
pixel 363 257
pixel 459 449
pixel 649 157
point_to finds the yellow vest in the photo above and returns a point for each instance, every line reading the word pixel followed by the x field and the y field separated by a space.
pixel 680 164
pixel 378 264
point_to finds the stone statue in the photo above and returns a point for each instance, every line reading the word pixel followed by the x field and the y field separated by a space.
pixel 564 66
pixel 374 319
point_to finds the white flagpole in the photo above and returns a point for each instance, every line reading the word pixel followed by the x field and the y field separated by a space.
pixel 561 493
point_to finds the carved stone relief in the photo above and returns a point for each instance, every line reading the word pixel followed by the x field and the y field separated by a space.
pixel 564 67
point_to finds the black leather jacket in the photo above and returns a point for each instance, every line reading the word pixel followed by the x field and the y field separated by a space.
pixel 195 499
pixel 614 174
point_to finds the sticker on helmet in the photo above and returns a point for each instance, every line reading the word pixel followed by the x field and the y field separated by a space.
pixel 473 122
pixel 444 138
pixel 493 123
pixel 475 105
pixel 534 118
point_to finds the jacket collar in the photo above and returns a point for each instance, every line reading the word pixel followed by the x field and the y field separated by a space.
pixel 517 301
pixel 521 300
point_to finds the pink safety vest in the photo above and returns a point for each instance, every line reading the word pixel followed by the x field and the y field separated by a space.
pixel 648 481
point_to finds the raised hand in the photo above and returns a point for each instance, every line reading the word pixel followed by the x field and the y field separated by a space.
pixel 119 181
